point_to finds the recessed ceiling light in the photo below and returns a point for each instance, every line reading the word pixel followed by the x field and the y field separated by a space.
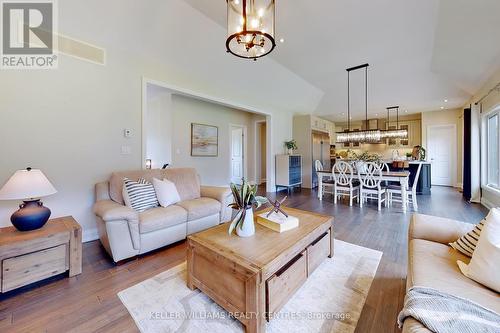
pixel 446 101
pixel 376 114
pixel 282 40
pixel 406 111
pixel 442 107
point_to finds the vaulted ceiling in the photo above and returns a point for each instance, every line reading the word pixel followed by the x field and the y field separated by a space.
pixel 421 52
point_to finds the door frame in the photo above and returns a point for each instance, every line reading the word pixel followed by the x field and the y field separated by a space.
pixel 271 149
pixel 244 157
pixel 257 143
pixel 454 151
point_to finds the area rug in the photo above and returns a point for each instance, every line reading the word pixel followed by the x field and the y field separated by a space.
pixel 330 300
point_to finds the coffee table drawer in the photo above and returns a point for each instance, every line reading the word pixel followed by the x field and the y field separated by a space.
pixel 25 269
pixel 282 285
pixel 318 251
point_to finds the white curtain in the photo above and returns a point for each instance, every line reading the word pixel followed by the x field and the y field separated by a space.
pixel 476 153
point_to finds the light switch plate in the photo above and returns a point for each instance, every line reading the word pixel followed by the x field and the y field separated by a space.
pixel 126 150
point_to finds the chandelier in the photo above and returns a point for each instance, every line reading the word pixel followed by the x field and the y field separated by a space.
pixel 365 136
pixel 250 28
pixel 395 133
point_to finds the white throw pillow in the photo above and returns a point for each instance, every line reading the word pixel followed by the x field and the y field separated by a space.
pixel 166 192
pixel 484 266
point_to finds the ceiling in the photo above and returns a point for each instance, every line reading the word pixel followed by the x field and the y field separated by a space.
pixel 421 52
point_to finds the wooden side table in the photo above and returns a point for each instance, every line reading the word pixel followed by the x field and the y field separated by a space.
pixel 31 256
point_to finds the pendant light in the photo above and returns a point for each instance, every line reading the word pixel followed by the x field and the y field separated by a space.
pixel 395 133
pixel 250 28
pixel 365 136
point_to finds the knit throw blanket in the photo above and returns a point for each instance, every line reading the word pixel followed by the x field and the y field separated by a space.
pixel 443 313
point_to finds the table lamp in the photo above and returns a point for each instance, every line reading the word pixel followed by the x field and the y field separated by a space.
pixel 28 185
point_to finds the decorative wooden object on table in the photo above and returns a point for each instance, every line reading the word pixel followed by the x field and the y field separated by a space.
pixel 31 256
pixel 255 276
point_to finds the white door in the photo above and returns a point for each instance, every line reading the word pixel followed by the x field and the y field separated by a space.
pixel 441 152
pixel 236 154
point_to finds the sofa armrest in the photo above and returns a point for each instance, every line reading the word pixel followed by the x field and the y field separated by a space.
pixel 221 194
pixel 102 191
pixel 110 211
pixel 437 229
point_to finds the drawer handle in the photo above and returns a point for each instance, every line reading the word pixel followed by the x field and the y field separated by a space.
pixel 319 238
pixel 288 265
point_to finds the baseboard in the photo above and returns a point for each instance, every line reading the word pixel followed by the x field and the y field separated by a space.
pixel 486 203
pixel 90 235
pixel 460 186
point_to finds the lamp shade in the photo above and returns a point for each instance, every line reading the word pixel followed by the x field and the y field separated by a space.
pixel 26 184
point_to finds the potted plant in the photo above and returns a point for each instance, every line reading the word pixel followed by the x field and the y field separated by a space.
pixel 361 159
pixel 291 146
pixel 245 199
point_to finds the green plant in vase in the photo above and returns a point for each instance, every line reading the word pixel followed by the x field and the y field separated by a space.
pixel 245 198
pixel 291 146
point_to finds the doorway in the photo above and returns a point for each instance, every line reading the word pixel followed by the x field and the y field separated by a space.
pixel 441 145
pixel 237 153
pixel 260 152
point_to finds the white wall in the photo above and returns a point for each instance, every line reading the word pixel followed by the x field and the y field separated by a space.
pixel 69 122
pixel 212 170
pixel 159 125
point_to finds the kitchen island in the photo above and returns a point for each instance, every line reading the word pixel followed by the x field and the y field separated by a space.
pixel 424 180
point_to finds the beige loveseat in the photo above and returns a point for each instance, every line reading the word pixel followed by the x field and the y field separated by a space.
pixel 432 263
pixel 125 233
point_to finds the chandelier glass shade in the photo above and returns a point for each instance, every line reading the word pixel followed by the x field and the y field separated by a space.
pixel 368 136
pixel 250 28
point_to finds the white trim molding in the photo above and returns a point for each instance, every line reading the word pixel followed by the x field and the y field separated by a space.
pixel 211 99
pixel 454 167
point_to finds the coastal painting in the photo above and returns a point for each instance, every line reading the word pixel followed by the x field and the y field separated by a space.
pixel 204 140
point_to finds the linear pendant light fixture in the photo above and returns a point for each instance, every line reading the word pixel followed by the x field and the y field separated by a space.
pixel 395 133
pixel 365 136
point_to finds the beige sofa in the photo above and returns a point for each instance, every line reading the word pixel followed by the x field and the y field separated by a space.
pixel 125 233
pixel 432 263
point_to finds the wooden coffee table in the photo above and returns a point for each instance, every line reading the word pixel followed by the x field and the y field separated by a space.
pixel 254 277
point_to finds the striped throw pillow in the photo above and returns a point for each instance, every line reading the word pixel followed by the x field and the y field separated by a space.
pixel 141 194
pixel 467 243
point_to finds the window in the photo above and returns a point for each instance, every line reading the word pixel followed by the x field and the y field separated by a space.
pixel 492 151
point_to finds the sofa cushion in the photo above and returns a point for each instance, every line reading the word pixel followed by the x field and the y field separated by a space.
pixel 434 265
pixel 161 218
pixel 186 181
pixel 201 207
pixel 116 181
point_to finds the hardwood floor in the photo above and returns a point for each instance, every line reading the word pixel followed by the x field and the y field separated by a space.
pixel 88 302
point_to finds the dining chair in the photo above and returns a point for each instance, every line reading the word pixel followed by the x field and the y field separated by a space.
pixel 327 183
pixel 345 184
pixel 385 168
pixel 394 191
pixel 371 185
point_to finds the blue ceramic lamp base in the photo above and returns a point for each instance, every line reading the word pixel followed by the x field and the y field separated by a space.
pixel 32 215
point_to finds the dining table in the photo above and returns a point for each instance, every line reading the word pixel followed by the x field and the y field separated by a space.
pixel 402 177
